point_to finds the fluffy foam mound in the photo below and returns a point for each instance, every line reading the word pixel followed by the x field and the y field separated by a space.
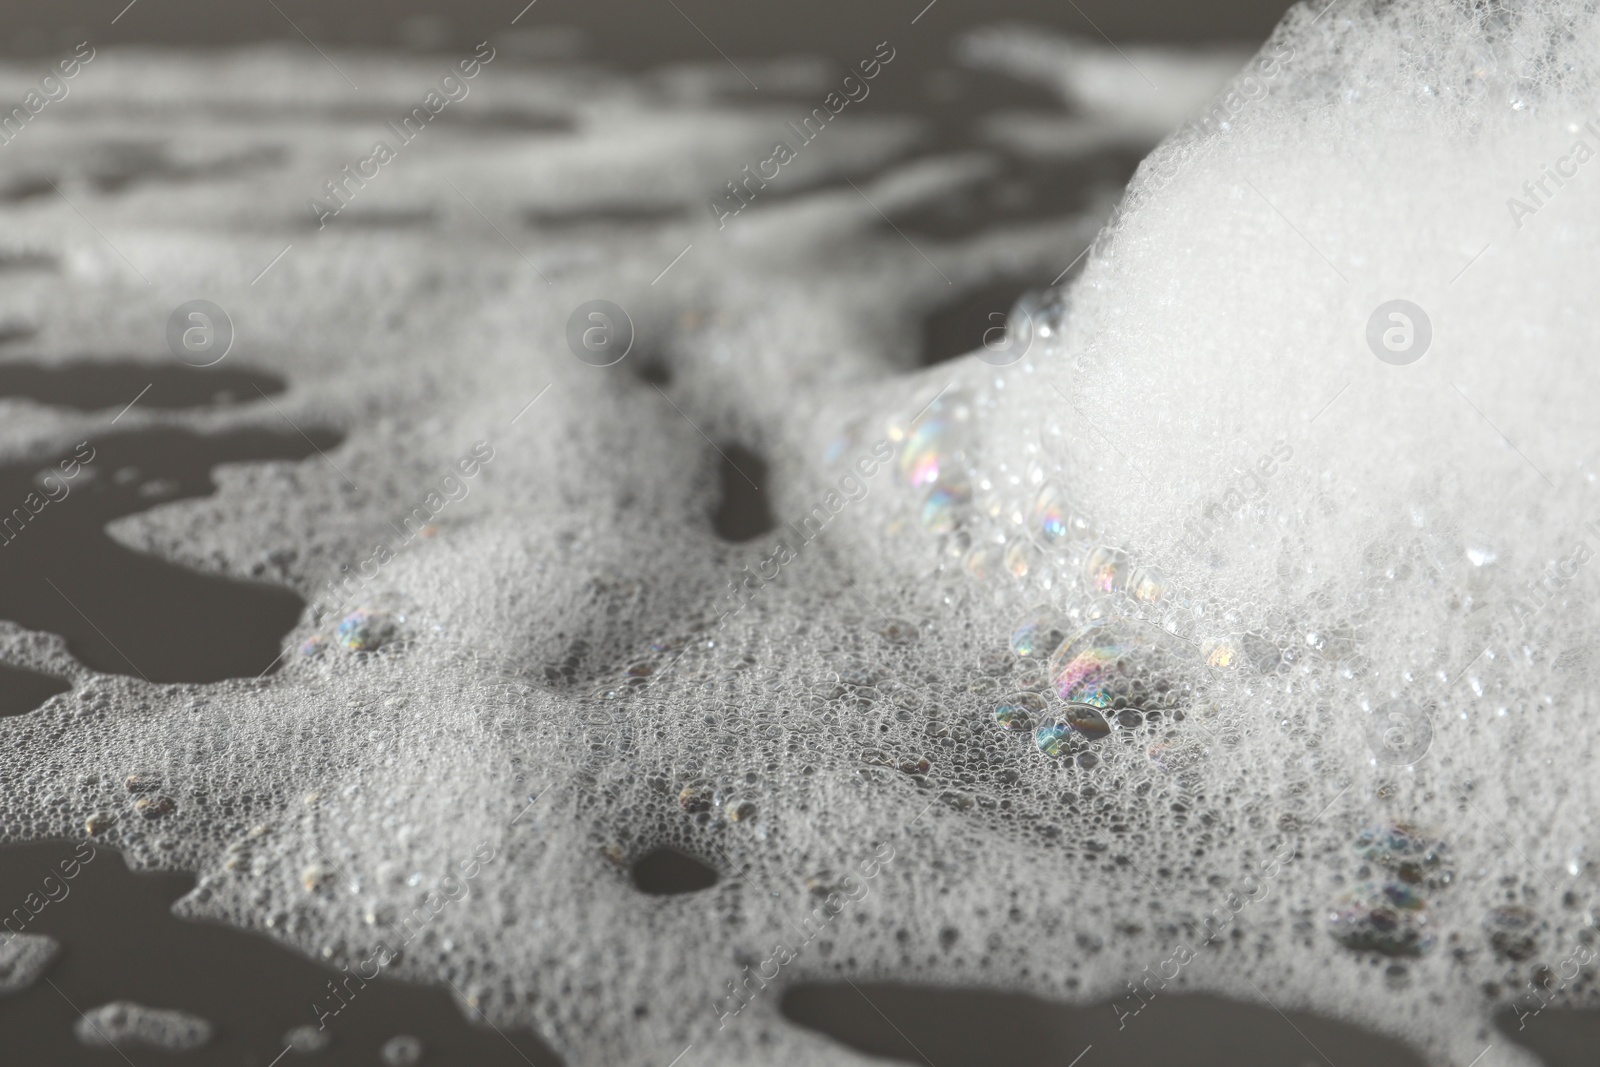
pixel 1234 637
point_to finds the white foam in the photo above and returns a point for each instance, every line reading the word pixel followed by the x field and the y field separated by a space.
pixel 124 1023
pixel 1387 556
pixel 23 958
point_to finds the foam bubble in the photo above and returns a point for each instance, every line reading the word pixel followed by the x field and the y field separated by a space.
pixel 1200 453
pixel 23 958
pixel 122 1022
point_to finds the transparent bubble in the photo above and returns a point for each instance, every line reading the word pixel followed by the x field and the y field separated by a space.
pixel 1038 633
pixel 941 511
pixel 1415 857
pixel 1389 918
pixel 985 562
pixel 1513 931
pixel 367 630
pixel 1056 740
pixel 929 452
pixel 1116 665
pixel 402 1050
pixel 1086 720
pixel 1050 518
pixel 697 797
pixel 1106 570
pixel 1019 712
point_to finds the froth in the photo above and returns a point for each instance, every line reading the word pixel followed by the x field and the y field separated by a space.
pixel 1199 648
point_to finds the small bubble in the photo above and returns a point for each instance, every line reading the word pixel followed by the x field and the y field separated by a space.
pixel 1512 931
pixel 1113 665
pixel 156 806
pixel 1415 857
pixel 1055 739
pixel 1038 634
pixel 1019 712
pixel 1087 720
pixel 941 511
pixel 1050 517
pixel 1106 569
pixel 898 631
pixel 697 797
pixel 741 809
pixel 1391 919
pixel 402 1050
pixel 306 1039
pixel 367 630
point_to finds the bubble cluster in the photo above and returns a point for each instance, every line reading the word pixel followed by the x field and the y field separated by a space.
pixel 1110 642
pixel 124 1023
pixel 23 958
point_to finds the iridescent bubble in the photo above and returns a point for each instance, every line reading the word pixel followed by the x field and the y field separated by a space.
pixel 1177 755
pixel 1391 919
pixel 1147 585
pixel 1095 668
pixel 1221 654
pixel 1126 670
pixel 928 451
pixel 1050 518
pixel 367 630
pixel 1055 740
pixel 742 808
pixel 941 511
pixel 1106 569
pixel 985 562
pixel 1038 634
pixel 1021 557
pixel 1019 712
pixel 696 797
pixel 1416 858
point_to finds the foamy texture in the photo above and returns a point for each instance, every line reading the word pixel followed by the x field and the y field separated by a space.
pixel 1198 494
pixel 124 1023
pixel 23 958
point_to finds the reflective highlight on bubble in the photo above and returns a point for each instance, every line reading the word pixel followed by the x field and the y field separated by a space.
pixel 1018 713
pixel 1054 740
pixel 1391 919
pixel 1414 857
pixel 367 630
pixel 1038 634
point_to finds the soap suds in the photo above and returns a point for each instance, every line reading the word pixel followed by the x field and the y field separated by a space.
pixel 1102 681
